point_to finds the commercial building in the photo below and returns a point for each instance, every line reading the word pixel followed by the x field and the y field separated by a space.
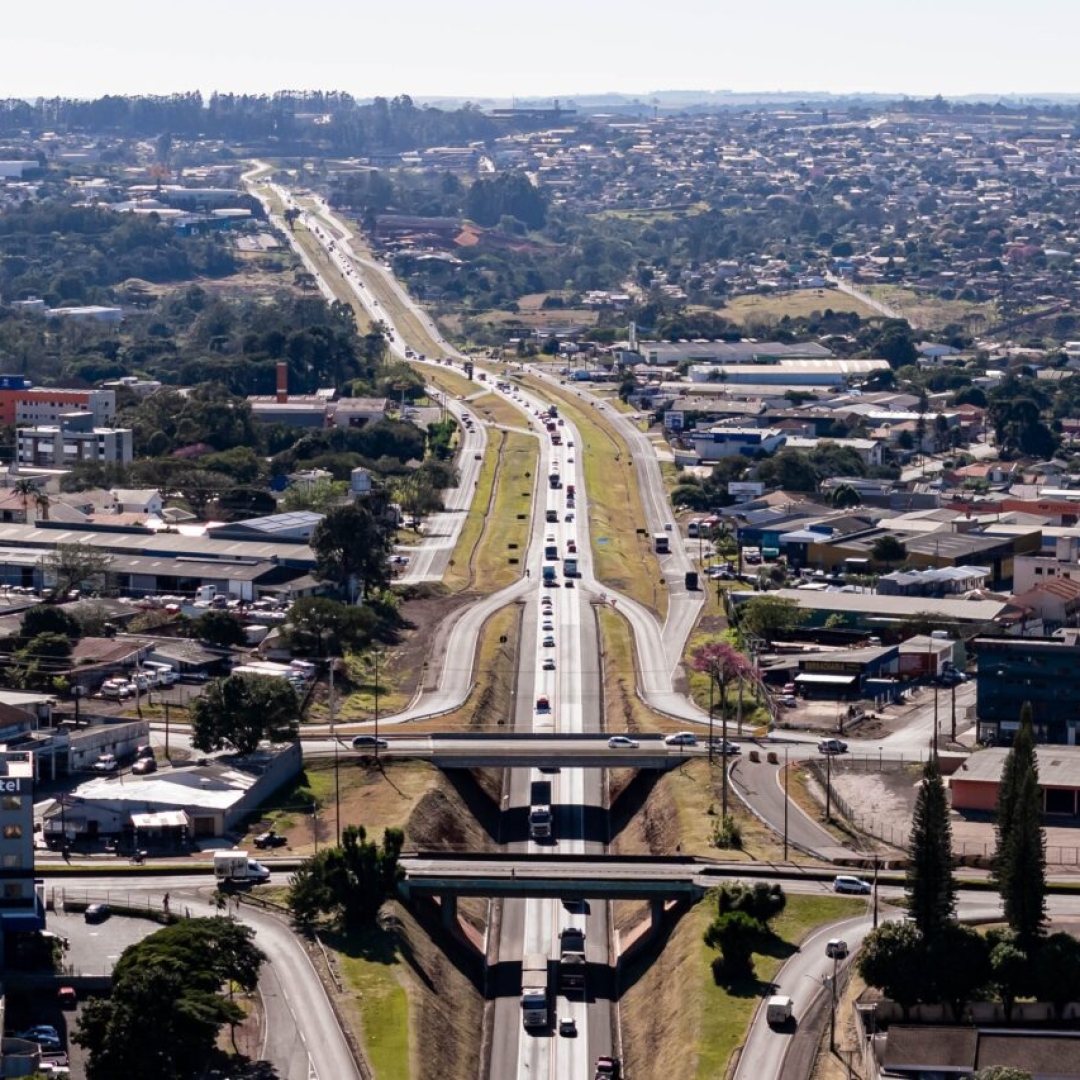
pixel 975 784
pixel 21 403
pixel 721 442
pixel 22 904
pixel 1041 671
pixel 53 446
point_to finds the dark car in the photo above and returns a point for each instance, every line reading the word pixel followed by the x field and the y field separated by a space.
pixel 96 913
pixel 270 839
pixel 369 742
pixel 143 766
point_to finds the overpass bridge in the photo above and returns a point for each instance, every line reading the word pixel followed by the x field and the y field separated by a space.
pixel 544 751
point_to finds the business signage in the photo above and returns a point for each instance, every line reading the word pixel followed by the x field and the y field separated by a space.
pixel 742 490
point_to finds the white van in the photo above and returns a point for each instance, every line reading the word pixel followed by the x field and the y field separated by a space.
pixel 778 1010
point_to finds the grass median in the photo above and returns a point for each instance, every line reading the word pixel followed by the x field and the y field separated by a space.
pixel 492 544
pixel 623 558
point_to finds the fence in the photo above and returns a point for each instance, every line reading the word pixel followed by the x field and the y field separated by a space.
pixel 869 824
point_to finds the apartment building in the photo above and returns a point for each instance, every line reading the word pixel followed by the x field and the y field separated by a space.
pixel 40 405
pixel 53 446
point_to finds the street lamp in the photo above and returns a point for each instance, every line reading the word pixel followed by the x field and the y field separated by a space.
pixel 786 777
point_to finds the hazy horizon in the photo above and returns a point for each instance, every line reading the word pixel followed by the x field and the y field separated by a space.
pixel 490 50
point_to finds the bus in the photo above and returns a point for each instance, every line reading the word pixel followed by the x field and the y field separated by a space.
pixel 661 543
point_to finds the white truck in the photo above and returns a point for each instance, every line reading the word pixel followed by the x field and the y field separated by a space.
pixel 233 868
pixel 535 1010
pixel 779 1010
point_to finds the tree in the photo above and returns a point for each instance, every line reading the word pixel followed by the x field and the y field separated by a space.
pixel 242 710
pixel 166 1005
pixel 893 959
pixel 1001 1072
pixel 958 966
pixel 888 549
pixel 735 934
pixel 319 497
pixel 322 627
pixel 769 616
pixel 348 884
pixel 1010 970
pixel 351 547
pixel 722 663
pixel 74 566
pixel 1056 971
pixel 760 901
pixel 931 887
pixel 1020 858
pixel 219 628
pixel 791 470
pixel 844 497
pixel 44 619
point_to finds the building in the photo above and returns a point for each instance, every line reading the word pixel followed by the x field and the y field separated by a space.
pixel 356 412
pixel 50 406
pixel 1042 671
pixel 88 313
pixel 22 906
pixel 146 501
pixel 974 786
pixel 721 442
pixel 50 446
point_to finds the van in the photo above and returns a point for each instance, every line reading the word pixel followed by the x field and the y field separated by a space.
pixel 779 1010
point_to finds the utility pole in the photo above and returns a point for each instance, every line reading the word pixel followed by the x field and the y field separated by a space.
pixel 828 787
pixel 712 685
pixel 337 775
pixel 723 763
pixel 876 863
pixel 953 726
pixel 832 1012
pixel 786 777
pixel 376 655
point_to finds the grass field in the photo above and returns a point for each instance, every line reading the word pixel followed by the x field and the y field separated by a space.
pixel 447 381
pixel 332 275
pixel 499 411
pixel 459 572
pixel 932 312
pixel 374 972
pixel 796 304
pixel 623 560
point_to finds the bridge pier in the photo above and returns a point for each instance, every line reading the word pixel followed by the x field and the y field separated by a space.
pixel 656 913
pixel 448 908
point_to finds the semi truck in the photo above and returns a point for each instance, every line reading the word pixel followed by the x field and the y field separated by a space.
pixel 232 868
pixel 549 575
pixel 572 962
pixel 540 816
pixel 535 1010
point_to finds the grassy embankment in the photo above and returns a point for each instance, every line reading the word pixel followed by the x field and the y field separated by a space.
pixel 675 1012
pixel 622 559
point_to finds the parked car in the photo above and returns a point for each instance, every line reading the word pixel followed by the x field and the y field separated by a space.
pixel 270 839
pixel 681 738
pixel 845 884
pixel 96 913
pixel 790 701
pixel 106 763
pixel 832 746
pixel 144 766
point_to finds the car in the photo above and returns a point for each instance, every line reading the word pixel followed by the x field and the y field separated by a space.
pixel 845 884
pixel 106 763
pixel 622 742
pixel 836 948
pixel 38 1031
pixel 681 738
pixel 548 625
pixel 270 839
pixel 144 766
pixel 144 751
pixel 668 526
pixel 369 742
pixel 789 688
pixel 567 1026
pixel 726 746
pixel 790 700
pixel 548 642
pixel 569 517
pixel 549 663
pixel 571 547
pixel 569 442
pixel 478 457
pixel 832 746
pixel 96 913
pixel 543 704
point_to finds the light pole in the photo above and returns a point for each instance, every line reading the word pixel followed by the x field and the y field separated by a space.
pixel 723 761
pixel 832 1012
pixel 376 658
pixel 711 688
pixel 337 775
pixel 828 787
pixel 786 777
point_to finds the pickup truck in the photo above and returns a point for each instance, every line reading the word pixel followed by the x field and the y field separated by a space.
pixel 607 1068
pixel 270 839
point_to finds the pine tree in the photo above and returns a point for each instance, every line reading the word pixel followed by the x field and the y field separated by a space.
pixel 1018 761
pixel 931 888
pixel 1022 863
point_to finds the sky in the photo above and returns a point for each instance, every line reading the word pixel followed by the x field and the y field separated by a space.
pixel 509 49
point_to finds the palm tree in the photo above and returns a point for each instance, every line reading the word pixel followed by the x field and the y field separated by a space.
pixel 24 488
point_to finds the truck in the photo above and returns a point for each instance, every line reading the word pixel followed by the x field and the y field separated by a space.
pixel 553 411
pixel 540 816
pixel 661 543
pixel 572 961
pixel 551 552
pixel 549 575
pixel 233 867
pixel 554 481
pixel 570 568
pixel 778 1010
pixel 535 1010
pixel 607 1068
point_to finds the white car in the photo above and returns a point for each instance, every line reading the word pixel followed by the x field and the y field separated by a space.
pixel 621 742
pixel 681 738
pixel 106 763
